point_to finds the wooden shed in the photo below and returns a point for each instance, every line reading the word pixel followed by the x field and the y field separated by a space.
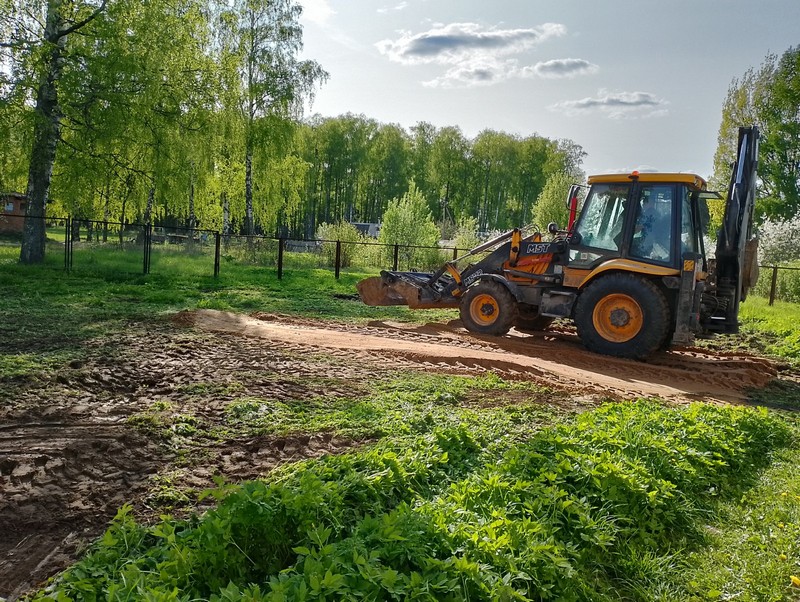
pixel 12 211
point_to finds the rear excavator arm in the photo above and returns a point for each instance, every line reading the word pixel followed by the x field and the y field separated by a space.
pixel 735 269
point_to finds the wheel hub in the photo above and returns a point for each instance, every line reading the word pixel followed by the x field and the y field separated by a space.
pixel 618 318
pixel 484 309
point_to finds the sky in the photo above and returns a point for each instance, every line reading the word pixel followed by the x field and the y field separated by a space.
pixel 639 84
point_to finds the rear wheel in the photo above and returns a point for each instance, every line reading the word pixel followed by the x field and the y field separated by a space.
pixel 622 315
pixel 488 308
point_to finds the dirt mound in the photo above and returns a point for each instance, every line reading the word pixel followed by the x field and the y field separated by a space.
pixel 557 359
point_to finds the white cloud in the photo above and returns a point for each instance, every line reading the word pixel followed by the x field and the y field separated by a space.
pixel 479 56
pixel 316 11
pixel 451 44
pixel 616 105
pixel 476 72
pixel 397 7
pixel 560 68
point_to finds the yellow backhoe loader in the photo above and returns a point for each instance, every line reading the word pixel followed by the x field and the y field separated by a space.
pixel 630 270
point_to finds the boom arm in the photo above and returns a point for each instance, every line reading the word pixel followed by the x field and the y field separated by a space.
pixel 735 254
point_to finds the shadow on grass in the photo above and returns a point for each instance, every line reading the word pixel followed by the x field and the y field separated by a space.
pixel 779 394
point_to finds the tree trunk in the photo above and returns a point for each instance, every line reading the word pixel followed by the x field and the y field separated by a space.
pixel 106 210
pixel 191 215
pixel 148 210
pixel 249 226
pixel 226 218
pixel 128 190
pixel 47 124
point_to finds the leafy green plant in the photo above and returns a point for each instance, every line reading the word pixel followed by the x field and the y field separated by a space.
pixel 408 221
pixel 580 511
pixel 343 232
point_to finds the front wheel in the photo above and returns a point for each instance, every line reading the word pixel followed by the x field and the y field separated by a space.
pixel 488 308
pixel 623 315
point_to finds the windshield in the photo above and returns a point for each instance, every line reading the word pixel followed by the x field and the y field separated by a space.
pixel 603 216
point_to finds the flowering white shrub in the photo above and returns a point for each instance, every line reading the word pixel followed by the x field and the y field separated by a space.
pixel 779 241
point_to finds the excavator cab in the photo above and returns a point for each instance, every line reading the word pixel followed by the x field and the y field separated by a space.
pixel 651 219
pixel 635 237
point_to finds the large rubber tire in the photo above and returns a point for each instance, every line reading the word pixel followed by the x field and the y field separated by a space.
pixel 488 308
pixel 623 315
pixel 536 324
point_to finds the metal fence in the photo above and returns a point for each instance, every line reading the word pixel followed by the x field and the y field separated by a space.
pixel 143 248
pixel 778 283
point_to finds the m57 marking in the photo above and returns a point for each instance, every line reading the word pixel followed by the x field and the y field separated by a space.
pixel 537 248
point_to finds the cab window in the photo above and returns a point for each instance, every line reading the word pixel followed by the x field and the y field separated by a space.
pixel 652 231
pixel 603 216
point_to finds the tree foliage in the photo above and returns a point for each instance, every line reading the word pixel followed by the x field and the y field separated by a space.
pixel 342 232
pixel 466 235
pixel 770 98
pixel 551 206
pixel 187 113
pixel 779 240
pixel 408 221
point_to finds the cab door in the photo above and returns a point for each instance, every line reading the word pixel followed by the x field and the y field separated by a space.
pixel 652 237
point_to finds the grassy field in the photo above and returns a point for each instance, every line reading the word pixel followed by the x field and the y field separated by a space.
pixel 635 501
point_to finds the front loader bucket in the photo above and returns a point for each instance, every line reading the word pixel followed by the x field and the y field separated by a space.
pixel 376 292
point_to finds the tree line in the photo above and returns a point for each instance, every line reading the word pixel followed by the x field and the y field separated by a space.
pixel 189 112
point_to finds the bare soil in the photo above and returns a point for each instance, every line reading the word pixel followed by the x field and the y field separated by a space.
pixel 78 444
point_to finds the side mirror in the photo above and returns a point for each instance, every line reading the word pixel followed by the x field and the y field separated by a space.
pixel 552 228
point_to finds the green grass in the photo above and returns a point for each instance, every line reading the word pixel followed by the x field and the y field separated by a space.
pixel 781 321
pixel 635 502
pixel 405 405
pixel 752 550
pixel 48 312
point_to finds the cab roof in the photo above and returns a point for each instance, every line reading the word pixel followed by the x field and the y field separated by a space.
pixel 690 179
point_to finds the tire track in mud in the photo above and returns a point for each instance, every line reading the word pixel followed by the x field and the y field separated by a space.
pixel 61 483
pixel 556 359
pixel 70 457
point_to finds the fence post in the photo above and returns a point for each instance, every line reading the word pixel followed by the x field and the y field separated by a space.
pixel 217 238
pixel 67 245
pixel 338 258
pixel 396 257
pixel 455 253
pixel 280 258
pixel 774 285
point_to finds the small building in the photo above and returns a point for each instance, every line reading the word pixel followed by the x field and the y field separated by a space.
pixel 368 229
pixel 12 211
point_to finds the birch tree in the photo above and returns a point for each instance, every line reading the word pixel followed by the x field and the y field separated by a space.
pixel 34 41
pixel 276 83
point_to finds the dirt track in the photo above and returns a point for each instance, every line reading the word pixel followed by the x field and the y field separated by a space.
pixel 555 358
pixel 69 457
